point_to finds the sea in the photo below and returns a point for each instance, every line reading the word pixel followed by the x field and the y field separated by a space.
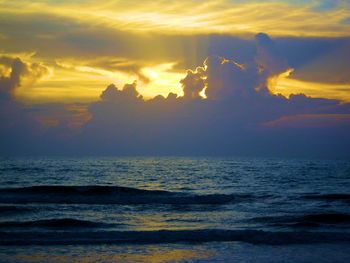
pixel 174 209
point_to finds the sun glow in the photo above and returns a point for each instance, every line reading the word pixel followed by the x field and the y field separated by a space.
pixel 202 93
pixel 70 82
pixel 162 81
pixel 88 45
pixel 286 85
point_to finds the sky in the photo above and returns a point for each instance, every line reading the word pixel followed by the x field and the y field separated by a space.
pixel 216 77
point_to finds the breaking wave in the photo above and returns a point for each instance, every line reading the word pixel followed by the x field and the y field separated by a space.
pixel 109 195
pixel 53 223
pixel 170 236
pixel 310 220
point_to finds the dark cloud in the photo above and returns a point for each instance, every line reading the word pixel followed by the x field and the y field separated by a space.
pixel 16 124
pixel 239 116
pixel 223 78
pixel 251 125
pixel 21 131
pixel 126 95
pixel 17 71
pixel 12 81
pixel 236 118
pixel 330 67
pixel 268 56
pixel 319 60
pixel 194 83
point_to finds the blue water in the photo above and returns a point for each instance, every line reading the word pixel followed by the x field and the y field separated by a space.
pixel 174 209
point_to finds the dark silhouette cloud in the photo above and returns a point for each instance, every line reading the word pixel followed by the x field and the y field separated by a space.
pixel 194 83
pixel 257 124
pixel 268 55
pixel 127 94
pixel 239 116
pixel 27 129
pixel 17 71
pixel 16 124
pixel 222 78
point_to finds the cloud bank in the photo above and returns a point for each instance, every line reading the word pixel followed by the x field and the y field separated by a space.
pixel 227 109
pixel 239 115
pixel 86 52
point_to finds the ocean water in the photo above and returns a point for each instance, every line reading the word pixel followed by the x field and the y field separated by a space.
pixel 174 209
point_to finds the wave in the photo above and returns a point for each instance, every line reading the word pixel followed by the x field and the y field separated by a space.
pixel 7 209
pixel 71 189
pixel 53 223
pixel 328 197
pixel 22 169
pixel 109 195
pixel 170 236
pixel 311 220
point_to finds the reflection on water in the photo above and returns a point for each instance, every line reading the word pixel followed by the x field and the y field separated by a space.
pixel 98 199
pixel 156 254
pixel 213 252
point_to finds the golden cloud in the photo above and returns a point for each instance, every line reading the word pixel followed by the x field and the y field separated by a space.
pixel 286 85
pixel 197 17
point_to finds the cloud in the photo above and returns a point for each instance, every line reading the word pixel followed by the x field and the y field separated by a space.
pixel 25 129
pixel 194 83
pixel 268 58
pixel 105 65
pixel 15 122
pixel 223 78
pixel 127 95
pixel 238 116
pixel 9 83
pixel 255 125
pixel 310 18
pixel 99 50
pixel 235 118
pixel 310 120
pixel 329 67
pixel 18 72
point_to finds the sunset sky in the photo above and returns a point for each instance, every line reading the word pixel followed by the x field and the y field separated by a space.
pixel 288 60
